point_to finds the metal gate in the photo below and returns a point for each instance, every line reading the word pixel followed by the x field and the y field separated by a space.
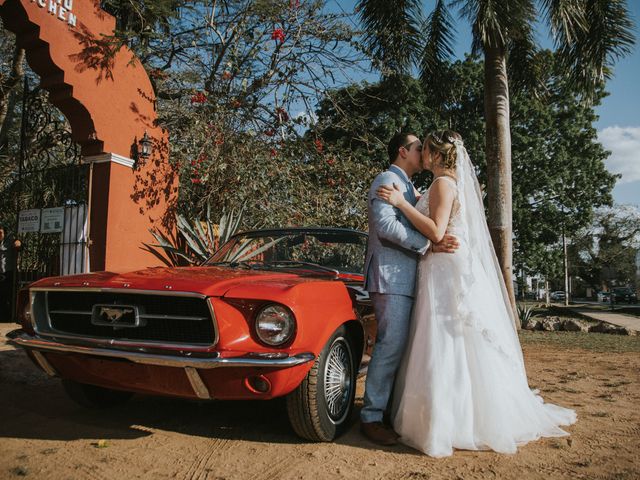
pixel 50 175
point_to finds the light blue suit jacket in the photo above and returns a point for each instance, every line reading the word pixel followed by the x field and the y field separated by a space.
pixel 394 245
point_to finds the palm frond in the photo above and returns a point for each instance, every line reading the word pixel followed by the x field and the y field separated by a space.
pixel 608 34
pixel 438 48
pixel 485 28
pixel 566 18
pixel 523 68
pixel 391 32
pixel 495 24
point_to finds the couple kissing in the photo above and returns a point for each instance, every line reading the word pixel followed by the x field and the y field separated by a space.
pixel 447 370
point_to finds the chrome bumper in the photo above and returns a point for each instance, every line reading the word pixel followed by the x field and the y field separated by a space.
pixel 19 338
pixel 36 345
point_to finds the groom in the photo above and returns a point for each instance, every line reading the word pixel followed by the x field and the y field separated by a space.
pixel 390 268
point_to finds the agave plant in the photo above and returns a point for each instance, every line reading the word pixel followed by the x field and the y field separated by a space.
pixel 525 313
pixel 195 240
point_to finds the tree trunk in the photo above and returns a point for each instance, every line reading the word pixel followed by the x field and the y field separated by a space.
pixel 498 152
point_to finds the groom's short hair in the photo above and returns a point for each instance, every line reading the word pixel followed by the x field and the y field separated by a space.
pixel 398 140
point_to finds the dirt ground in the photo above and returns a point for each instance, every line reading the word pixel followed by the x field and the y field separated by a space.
pixel 45 435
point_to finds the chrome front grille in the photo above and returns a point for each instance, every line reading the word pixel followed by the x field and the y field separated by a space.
pixel 172 319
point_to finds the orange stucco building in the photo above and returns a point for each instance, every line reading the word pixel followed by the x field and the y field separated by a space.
pixel 108 99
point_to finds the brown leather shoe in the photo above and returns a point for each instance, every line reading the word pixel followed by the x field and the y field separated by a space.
pixel 379 433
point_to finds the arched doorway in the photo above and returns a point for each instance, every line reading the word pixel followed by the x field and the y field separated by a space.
pixel 52 179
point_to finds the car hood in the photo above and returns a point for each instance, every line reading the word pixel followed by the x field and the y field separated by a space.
pixel 209 281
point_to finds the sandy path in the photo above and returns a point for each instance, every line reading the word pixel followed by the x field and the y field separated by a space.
pixel 44 435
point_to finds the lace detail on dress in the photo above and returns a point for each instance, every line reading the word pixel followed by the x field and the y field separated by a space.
pixel 453 227
pixel 468 282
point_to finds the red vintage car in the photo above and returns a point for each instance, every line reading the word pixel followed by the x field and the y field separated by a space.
pixel 272 313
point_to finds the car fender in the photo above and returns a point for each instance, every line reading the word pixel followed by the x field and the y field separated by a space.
pixel 320 307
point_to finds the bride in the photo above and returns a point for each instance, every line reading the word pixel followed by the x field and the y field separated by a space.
pixel 462 383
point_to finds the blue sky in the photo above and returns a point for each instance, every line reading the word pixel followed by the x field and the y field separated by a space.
pixel 619 122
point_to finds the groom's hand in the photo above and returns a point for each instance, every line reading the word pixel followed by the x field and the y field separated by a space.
pixel 448 244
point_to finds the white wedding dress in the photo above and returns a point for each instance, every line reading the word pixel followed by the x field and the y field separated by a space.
pixel 462 383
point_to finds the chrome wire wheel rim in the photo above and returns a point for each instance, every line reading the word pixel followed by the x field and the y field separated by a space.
pixel 338 379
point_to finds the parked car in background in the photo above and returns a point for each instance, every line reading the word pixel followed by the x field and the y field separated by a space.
pixel 624 294
pixel 559 295
pixel 603 296
pixel 273 313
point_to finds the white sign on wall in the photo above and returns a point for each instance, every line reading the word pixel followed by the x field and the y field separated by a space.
pixel 29 220
pixel 52 220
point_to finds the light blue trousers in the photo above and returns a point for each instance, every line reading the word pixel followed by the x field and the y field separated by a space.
pixel 393 316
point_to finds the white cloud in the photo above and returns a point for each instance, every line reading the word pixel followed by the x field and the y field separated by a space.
pixel 624 145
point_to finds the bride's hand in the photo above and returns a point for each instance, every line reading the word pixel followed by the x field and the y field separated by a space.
pixel 391 195
pixel 448 244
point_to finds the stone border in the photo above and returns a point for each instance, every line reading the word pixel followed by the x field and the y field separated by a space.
pixel 552 323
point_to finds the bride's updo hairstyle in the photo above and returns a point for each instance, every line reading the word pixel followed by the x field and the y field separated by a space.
pixel 442 141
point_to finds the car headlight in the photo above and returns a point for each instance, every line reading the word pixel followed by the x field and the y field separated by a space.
pixel 275 325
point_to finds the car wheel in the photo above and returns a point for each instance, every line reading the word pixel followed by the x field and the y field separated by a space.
pixel 91 396
pixel 320 408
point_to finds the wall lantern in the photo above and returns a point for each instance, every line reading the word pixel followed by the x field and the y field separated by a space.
pixel 146 146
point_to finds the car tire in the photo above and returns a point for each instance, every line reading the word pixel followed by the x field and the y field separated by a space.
pixel 91 396
pixel 320 408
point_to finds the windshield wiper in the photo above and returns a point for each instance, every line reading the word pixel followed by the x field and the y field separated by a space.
pixel 293 263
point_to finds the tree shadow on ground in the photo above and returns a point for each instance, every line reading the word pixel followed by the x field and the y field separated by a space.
pixel 35 406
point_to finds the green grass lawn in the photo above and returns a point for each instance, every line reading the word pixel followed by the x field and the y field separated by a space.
pixel 596 342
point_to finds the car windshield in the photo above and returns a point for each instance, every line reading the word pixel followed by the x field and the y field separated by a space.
pixel 323 250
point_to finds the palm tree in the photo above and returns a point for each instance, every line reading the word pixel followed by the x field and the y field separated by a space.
pixel 391 33
pixel 589 35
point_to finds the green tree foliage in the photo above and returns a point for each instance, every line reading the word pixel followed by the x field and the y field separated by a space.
pixel 559 176
pixel 361 119
pixel 391 33
pixel 237 83
pixel 11 75
pixel 603 253
pixel 589 35
pixel 139 23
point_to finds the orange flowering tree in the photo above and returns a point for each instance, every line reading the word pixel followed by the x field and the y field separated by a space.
pixel 238 84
